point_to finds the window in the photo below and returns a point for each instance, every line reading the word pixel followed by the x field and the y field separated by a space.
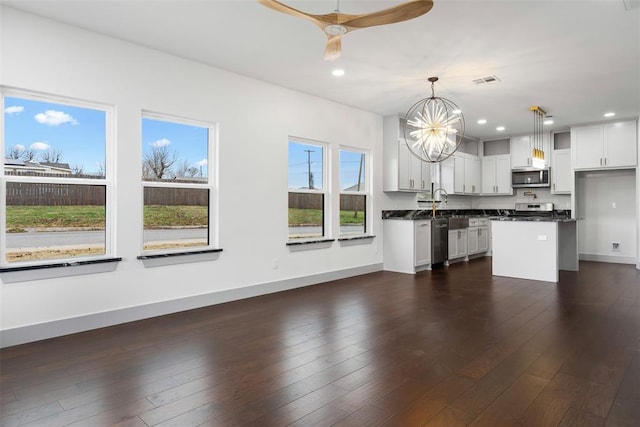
pixel 353 193
pixel 55 179
pixel 177 183
pixel 306 190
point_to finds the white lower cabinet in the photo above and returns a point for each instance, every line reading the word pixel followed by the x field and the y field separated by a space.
pixel 422 242
pixel 478 236
pixel 483 239
pixel 472 240
pixel 457 243
pixel 406 245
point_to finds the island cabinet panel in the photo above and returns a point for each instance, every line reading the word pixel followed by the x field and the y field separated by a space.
pixel 533 250
pixel 609 145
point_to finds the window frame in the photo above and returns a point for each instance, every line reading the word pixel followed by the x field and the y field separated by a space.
pixel 326 206
pixel 365 190
pixel 210 185
pixel 107 181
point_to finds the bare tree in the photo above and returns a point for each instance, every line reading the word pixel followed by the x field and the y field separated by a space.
pixel 51 156
pixel 20 153
pixel 184 169
pixel 77 170
pixel 157 164
pixel 101 170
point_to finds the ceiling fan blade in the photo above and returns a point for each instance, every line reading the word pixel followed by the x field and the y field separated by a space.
pixel 276 5
pixel 333 49
pixel 402 12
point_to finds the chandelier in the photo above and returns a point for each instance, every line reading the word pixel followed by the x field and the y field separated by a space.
pixel 434 127
pixel 537 151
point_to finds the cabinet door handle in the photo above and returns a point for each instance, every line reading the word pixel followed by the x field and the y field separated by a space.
pixel 605 161
pixel 600 161
pixel 423 184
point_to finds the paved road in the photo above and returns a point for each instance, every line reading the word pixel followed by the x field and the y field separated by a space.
pixel 71 238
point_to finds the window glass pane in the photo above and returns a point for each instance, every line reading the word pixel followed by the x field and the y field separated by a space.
pixel 305 166
pixel 306 215
pixel 50 221
pixel 353 214
pixel 49 139
pixel 174 152
pixel 175 218
pixel 352 171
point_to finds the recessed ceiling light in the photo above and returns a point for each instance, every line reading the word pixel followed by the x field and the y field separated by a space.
pixel 609 114
pixel 482 121
pixel 548 121
pixel 338 72
pixel 500 128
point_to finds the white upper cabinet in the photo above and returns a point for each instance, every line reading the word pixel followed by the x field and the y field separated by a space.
pixel 561 172
pixel 620 144
pixel 402 170
pixel 609 145
pixel 496 174
pixel 460 174
pixel 522 147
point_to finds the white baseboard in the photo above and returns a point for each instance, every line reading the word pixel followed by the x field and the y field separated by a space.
pixel 607 258
pixel 30 333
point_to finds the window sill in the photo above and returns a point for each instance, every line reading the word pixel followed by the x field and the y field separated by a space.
pixel 172 258
pixel 350 238
pixel 310 244
pixel 61 269
pixel 356 240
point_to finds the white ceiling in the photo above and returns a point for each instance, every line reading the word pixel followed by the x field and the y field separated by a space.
pixel 575 58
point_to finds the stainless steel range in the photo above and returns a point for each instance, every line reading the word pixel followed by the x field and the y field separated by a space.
pixel 534 211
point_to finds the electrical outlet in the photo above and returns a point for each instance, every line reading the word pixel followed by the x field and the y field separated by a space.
pixel 276 263
pixel 615 246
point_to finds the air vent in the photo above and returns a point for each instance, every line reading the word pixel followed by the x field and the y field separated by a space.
pixel 486 80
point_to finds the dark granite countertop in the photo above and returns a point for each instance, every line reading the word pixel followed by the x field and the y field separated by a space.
pixel 493 214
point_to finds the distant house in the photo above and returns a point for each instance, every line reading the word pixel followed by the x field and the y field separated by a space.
pixel 32 167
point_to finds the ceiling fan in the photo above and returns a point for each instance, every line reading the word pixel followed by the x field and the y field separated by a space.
pixel 336 24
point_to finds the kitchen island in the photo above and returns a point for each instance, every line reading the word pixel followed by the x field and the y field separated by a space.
pixel 534 249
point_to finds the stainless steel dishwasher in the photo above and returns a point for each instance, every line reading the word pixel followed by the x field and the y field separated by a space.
pixel 439 240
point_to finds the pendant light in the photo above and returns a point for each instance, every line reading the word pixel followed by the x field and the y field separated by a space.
pixel 434 127
pixel 537 154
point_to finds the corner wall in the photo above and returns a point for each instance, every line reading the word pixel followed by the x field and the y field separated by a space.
pixel 255 120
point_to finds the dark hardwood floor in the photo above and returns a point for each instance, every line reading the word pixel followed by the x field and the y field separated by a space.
pixel 449 347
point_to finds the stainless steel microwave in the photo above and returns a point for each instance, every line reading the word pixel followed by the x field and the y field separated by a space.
pixel 530 177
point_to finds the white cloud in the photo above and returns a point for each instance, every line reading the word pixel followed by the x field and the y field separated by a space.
pixel 40 146
pixel 55 118
pixel 14 109
pixel 161 143
pixel 202 162
pixel 19 147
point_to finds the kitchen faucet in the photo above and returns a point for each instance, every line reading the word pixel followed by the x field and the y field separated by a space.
pixel 433 200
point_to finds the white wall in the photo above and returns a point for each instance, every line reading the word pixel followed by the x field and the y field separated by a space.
pixel 255 120
pixel 606 207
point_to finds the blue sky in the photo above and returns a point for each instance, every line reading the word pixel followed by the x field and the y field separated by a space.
pixel 79 133
pixel 299 164
pixel 188 142
pixel 41 126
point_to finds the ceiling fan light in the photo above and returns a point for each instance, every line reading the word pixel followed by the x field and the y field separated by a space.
pixel 335 30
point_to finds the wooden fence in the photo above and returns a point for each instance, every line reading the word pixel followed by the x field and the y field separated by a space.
pixel 348 202
pixel 40 194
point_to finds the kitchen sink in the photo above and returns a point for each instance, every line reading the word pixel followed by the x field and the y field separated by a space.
pixel 457 223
